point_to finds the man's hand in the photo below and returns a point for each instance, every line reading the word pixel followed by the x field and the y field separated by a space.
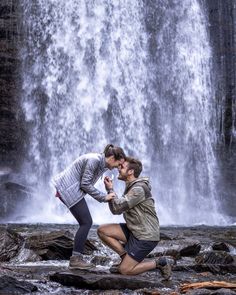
pixel 110 196
pixel 108 183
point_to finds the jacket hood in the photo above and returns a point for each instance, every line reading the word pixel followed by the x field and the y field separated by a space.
pixel 141 179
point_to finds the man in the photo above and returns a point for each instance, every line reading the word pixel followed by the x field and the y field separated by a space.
pixel 136 238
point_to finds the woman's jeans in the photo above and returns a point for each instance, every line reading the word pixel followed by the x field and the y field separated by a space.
pixel 81 213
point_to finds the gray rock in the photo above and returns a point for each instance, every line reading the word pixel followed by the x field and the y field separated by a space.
pixel 101 260
pixel 221 247
pixel 55 245
pixel 190 250
pixel 102 281
pixel 51 246
pixel 10 243
pixel 213 268
pixel 199 292
pixel 26 255
pixel 9 285
pixel 214 257
pixel 223 291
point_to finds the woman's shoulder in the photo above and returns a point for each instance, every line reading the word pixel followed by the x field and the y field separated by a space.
pixel 91 157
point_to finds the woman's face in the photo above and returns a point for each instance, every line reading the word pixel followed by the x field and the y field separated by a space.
pixel 113 163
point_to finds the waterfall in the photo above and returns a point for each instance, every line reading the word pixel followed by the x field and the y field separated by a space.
pixel 134 73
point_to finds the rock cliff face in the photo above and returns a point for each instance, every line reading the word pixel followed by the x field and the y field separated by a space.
pixel 222 19
pixel 10 84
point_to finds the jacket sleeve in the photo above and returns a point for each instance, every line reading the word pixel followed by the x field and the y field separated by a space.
pixel 119 205
pixel 88 178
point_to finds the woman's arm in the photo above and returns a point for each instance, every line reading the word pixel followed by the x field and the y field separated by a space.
pixel 88 178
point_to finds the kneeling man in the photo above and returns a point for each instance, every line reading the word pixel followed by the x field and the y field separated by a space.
pixel 136 238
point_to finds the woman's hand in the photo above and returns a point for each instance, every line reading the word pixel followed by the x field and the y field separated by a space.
pixel 110 196
pixel 108 183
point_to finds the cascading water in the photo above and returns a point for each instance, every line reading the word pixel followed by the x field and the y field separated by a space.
pixel 134 73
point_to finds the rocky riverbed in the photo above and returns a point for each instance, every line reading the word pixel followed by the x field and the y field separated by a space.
pixel 34 259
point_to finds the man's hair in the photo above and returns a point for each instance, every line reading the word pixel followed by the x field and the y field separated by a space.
pixel 116 151
pixel 134 164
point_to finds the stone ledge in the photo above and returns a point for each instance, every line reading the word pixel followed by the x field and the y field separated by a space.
pixel 103 281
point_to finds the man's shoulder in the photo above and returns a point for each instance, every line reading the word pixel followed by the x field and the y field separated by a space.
pixel 141 184
pixel 135 194
pixel 137 189
pixel 140 188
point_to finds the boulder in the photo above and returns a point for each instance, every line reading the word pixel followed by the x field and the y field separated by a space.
pixel 102 281
pixel 55 245
pixel 199 292
pixel 10 285
pixel 10 243
pixel 26 255
pixel 221 291
pixel 203 268
pixel 190 250
pixel 224 291
pixel 214 257
pixel 90 246
pixel 51 246
pixel 221 247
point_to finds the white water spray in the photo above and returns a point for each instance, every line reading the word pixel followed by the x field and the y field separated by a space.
pixel 97 72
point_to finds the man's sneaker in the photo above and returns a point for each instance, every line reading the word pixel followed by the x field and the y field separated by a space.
pixel 77 262
pixel 164 267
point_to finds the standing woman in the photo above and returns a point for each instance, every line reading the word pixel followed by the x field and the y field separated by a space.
pixel 75 182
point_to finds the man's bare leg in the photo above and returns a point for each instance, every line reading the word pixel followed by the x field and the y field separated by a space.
pixel 112 235
pixel 129 266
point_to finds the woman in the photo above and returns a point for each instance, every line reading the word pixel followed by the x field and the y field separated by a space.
pixel 75 182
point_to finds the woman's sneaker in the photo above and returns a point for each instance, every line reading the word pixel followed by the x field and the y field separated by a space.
pixel 164 267
pixel 77 262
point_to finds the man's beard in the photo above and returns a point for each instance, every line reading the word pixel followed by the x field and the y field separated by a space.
pixel 122 177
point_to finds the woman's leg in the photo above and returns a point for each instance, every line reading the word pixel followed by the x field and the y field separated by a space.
pixel 81 213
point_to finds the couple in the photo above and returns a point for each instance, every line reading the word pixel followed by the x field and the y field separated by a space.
pixel 132 240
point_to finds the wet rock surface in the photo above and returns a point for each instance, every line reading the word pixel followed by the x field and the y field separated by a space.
pixel 191 250
pixel 55 245
pixel 215 257
pixel 10 285
pixel 10 243
pixel 41 254
pixel 11 116
pixel 221 247
pixel 13 197
pixel 104 280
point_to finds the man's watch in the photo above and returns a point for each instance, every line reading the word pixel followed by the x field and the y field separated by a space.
pixel 110 190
